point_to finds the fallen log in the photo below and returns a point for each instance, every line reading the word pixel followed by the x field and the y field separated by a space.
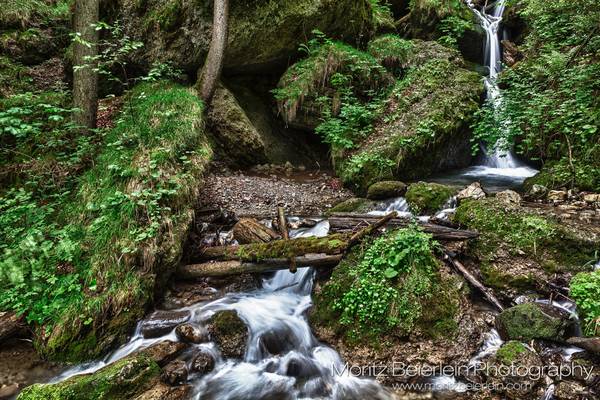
pixel 235 267
pixel 360 235
pixel 332 244
pixel 11 325
pixel 345 222
pixel 249 230
pixel 487 293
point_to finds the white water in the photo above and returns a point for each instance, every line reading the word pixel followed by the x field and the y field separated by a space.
pixel 501 160
pixel 303 369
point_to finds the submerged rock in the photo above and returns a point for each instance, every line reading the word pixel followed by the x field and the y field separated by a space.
pixel 427 198
pixel 191 334
pixel 230 333
pixel 203 363
pixel 534 321
pixel 160 323
pixel 386 190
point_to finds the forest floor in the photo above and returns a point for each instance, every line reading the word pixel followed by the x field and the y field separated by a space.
pixel 257 193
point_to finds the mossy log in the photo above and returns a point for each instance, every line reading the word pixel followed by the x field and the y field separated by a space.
pixel 344 222
pixel 227 268
pixel 332 244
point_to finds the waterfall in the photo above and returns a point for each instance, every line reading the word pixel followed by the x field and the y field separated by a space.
pixel 491 23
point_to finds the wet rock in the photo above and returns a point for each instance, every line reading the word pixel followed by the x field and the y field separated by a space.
pixel 556 195
pixel 159 323
pixel 191 334
pixel 591 344
pixel 509 197
pixel 473 191
pixel 122 380
pixel 229 332
pixel 165 392
pixel 386 190
pixel 203 363
pixel 164 352
pixel 277 341
pixel 534 321
pixel 175 373
pixel 538 191
pixel 426 198
pixel 515 386
pixel 249 230
pixel 568 390
pixel 591 198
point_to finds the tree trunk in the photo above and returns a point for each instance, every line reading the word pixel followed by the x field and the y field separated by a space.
pixel 211 72
pixel 227 268
pixel 85 76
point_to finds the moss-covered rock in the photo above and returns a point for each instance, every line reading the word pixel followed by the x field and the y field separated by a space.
pixel 534 321
pixel 239 141
pixel 510 351
pixel 427 198
pixel 386 190
pixel 518 247
pixel 229 332
pixel 379 291
pixel 262 34
pixel 122 380
pixel 424 124
pixel 355 204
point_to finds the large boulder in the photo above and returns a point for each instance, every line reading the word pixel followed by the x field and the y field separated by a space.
pixel 262 34
pixel 515 386
pixel 386 190
pixel 534 321
pixel 427 198
pixel 229 332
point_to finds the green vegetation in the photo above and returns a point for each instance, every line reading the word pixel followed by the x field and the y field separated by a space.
pixel 84 232
pixel 385 288
pixel 428 198
pixel 25 13
pixel 510 351
pixel 519 232
pixel 122 380
pixel 550 100
pixel 530 321
pixel 585 290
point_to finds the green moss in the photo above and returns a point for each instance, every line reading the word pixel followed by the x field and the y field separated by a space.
pixel 167 16
pixel 386 286
pixel 521 232
pixel 496 278
pixel 427 198
pixel 332 244
pixel 122 380
pixel 510 351
pixel 355 204
pixel 392 51
pixel 28 13
pixel 386 190
pixel 533 321
pixel 228 323
pixel 15 78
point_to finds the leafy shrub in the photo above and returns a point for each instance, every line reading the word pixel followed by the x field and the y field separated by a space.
pixel 585 290
pixel 387 285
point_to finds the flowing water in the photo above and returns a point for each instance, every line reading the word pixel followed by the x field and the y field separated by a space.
pixel 499 168
pixel 303 369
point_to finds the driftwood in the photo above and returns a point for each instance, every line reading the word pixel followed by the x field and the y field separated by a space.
pixel 283 229
pixel 344 222
pixel 228 268
pixel 249 230
pixel 487 293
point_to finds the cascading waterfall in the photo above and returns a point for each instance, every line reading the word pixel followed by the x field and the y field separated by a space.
pixel 491 23
pixel 303 369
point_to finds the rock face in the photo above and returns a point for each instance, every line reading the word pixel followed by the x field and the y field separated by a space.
pixel 262 34
pixel 229 332
pixel 427 198
pixel 534 321
pixel 386 190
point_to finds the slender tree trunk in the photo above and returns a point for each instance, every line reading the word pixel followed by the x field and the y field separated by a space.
pixel 85 78
pixel 209 76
